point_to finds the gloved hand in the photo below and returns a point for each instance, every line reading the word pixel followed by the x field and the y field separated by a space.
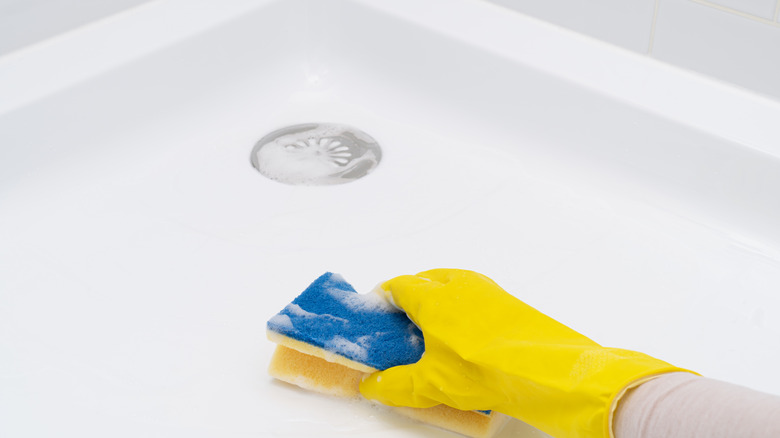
pixel 487 350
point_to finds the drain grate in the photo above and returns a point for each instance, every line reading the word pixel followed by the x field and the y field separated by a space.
pixel 316 154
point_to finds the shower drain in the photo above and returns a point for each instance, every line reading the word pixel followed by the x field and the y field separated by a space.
pixel 316 154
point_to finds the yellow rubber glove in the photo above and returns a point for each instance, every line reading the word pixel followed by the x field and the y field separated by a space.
pixel 487 350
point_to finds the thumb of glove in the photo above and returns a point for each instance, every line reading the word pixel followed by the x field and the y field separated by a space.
pixel 396 385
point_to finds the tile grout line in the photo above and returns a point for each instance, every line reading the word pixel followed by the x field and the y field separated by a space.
pixel 777 12
pixel 733 11
pixel 652 28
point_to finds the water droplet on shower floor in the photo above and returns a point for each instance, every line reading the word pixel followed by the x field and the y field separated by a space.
pixel 316 154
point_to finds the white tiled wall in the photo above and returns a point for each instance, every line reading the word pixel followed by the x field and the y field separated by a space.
pixel 731 46
pixel 25 22
pixel 733 40
pixel 758 8
pixel 627 23
pixel 737 41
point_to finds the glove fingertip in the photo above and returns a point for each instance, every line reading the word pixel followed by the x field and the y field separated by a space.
pixel 372 388
pixel 441 275
pixel 394 387
pixel 406 290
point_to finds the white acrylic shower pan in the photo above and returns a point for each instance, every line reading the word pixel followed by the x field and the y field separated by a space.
pixel 141 254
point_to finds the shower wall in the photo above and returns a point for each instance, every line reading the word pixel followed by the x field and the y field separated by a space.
pixel 25 22
pixel 737 41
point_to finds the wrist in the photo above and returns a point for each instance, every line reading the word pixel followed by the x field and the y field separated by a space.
pixel 580 401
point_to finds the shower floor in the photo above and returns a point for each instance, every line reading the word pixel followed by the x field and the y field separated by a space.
pixel 141 253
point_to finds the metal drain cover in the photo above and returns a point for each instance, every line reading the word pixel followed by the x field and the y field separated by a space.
pixel 316 154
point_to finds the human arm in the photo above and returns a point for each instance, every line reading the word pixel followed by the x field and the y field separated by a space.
pixel 683 405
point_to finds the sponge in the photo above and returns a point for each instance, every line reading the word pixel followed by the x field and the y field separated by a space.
pixel 330 337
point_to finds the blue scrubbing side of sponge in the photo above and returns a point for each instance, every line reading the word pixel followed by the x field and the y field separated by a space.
pixel 364 328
